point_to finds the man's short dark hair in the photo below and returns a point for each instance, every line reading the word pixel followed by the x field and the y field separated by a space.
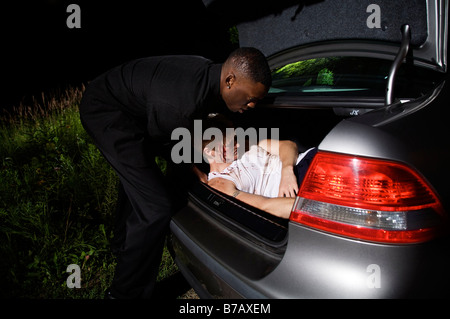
pixel 252 63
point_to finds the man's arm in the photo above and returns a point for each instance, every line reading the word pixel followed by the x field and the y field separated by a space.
pixel 288 153
pixel 278 206
pixel 201 175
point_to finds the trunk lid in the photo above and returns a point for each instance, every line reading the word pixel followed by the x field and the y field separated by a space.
pixel 341 27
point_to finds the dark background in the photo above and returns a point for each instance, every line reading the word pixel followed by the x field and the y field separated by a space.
pixel 41 54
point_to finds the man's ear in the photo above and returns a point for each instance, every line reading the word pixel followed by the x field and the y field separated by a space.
pixel 230 80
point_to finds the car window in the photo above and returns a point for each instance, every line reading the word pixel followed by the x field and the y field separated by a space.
pixel 350 76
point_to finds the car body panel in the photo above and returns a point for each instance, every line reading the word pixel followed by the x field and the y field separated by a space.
pixel 328 266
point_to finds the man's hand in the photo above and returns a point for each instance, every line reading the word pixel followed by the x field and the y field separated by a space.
pixel 200 174
pixel 288 183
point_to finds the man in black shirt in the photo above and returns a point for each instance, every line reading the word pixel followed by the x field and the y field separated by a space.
pixel 130 112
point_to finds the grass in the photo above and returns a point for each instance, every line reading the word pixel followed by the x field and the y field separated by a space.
pixel 57 201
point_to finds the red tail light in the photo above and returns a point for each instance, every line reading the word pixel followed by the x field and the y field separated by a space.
pixel 368 199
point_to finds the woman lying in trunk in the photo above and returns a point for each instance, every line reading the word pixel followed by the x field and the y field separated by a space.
pixel 266 176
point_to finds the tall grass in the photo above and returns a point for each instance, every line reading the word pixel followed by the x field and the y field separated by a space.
pixel 57 201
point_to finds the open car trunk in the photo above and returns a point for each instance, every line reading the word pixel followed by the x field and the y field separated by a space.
pixel 259 227
pixel 233 228
pixel 326 69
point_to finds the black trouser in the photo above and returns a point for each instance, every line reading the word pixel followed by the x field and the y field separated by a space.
pixel 144 208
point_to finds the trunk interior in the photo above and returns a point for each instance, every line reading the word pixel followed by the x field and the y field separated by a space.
pixel 307 127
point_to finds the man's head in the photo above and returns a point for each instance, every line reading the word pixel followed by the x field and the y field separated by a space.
pixel 220 145
pixel 245 79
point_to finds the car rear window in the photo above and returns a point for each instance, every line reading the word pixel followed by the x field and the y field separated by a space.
pixel 350 76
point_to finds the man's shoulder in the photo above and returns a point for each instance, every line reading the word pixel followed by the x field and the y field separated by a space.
pixel 192 59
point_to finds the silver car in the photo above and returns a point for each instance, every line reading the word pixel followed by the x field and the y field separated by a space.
pixel 366 83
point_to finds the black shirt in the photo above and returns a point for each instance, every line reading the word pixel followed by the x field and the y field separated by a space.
pixel 160 93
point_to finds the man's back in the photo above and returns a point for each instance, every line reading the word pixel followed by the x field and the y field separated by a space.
pixel 159 93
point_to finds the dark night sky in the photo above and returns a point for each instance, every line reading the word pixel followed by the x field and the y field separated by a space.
pixel 40 53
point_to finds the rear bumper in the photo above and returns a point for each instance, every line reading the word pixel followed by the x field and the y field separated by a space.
pixel 208 277
pixel 216 259
pixel 219 263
